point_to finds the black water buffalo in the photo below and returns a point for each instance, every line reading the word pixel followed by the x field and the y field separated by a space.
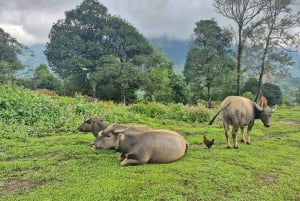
pixel 143 146
pixel 239 112
pixel 93 124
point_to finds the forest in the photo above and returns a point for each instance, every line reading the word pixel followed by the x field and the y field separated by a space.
pixel 93 53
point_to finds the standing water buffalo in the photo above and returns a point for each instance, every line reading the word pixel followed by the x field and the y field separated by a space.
pixel 143 146
pixel 239 112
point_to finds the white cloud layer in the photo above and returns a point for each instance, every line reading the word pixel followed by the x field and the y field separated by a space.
pixel 30 21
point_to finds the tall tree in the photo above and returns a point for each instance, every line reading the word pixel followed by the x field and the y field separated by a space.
pixel 274 38
pixel 208 55
pixel 243 13
pixel 9 62
pixel 87 34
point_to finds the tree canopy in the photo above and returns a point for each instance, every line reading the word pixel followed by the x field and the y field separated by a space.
pixel 88 36
pixel 208 57
pixel 9 62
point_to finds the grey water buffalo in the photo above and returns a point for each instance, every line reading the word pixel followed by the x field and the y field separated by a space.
pixel 143 146
pixel 93 124
pixel 107 138
pixel 240 112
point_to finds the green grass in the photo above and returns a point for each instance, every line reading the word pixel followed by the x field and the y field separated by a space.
pixel 61 165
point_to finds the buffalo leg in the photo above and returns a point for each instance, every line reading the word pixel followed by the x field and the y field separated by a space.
pixel 226 129
pixel 234 132
pixel 249 132
pixel 122 157
pixel 243 135
pixel 132 159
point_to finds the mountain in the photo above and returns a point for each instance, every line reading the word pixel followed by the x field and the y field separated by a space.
pixel 33 57
pixel 295 71
pixel 176 50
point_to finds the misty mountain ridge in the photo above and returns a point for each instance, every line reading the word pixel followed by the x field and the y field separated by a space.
pixel 175 50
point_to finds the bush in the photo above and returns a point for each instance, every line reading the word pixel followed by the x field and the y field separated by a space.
pixel 37 114
pixel 178 112
pixel 19 105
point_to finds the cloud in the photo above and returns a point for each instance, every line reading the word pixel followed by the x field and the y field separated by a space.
pixel 170 18
pixel 30 21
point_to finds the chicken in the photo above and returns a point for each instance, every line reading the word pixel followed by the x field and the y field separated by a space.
pixel 208 142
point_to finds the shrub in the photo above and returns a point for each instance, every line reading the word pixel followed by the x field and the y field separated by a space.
pixel 19 105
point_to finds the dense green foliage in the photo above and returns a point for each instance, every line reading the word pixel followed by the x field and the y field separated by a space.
pixel 41 114
pixel 271 91
pixel 88 45
pixel 52 160
pixel 9 63
pixel 42 78
pixel 208 58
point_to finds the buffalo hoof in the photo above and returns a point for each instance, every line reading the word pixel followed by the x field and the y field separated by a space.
pixel 228 147
pixel 242 140
pixel 236 147
pixel 248 143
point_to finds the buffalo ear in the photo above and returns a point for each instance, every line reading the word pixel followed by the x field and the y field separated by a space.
pixel 121 137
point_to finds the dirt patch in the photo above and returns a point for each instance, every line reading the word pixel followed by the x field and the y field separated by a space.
pixel 267 179
pixel 290 122
pixel 16 185
pixel 277 135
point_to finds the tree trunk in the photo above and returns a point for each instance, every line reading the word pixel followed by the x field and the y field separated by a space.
pixel 94 89
pixel 208 96
pixel 238 65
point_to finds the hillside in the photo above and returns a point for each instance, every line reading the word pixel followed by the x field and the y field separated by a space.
pixel 34 57
pixel 176 50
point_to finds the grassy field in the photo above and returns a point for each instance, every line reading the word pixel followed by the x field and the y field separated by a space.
pixel 62 166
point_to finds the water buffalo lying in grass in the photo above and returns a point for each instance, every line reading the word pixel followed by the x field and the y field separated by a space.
pixel 239 112
pixel 143 146
pixel 93 124
pixel 107 138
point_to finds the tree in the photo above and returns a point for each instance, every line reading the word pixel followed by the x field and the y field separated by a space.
pixel 243 13
pixel 87 35
pixel 44 79
pixel 208 56
pixel 9 62
pixel 160 81
pixel 273 38
pixel 120 79
pixel 250 86
pixel 273 93
pixel 158 86
pixel 180 91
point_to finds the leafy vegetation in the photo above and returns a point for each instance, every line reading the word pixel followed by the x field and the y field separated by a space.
pixel 47 158
pixel 209 57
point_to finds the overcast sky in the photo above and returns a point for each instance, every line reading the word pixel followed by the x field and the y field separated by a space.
pixel 30 21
